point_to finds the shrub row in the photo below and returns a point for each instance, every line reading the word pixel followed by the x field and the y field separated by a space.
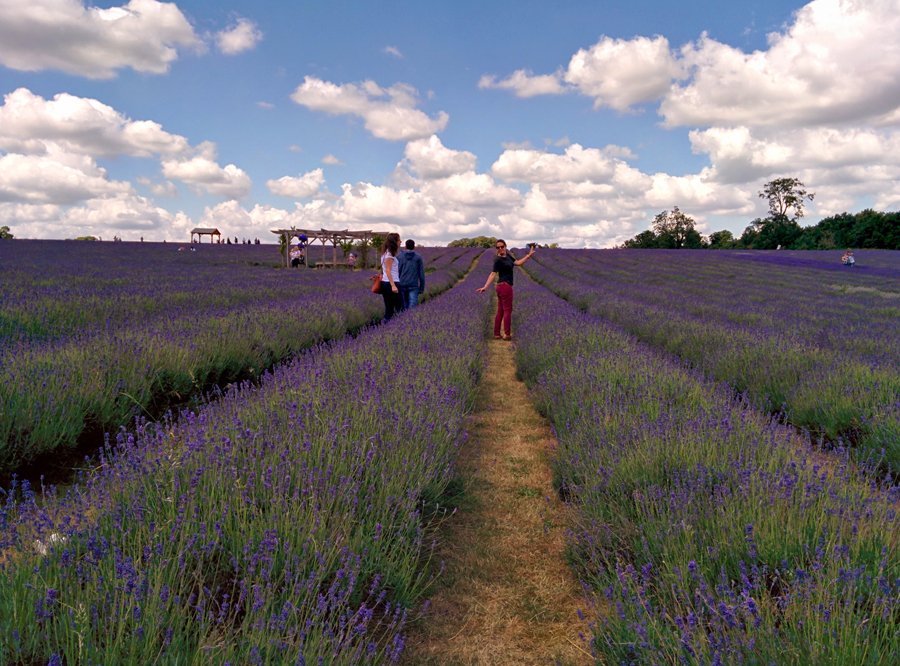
pixel 281 524
pixel 707 532
pixel 782 334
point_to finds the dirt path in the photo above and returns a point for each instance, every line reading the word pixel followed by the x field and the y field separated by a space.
pixel 506 595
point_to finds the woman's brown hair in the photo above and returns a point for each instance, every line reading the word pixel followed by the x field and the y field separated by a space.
pixel 392 244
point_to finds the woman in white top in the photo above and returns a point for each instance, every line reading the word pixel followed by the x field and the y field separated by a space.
pixel 390 276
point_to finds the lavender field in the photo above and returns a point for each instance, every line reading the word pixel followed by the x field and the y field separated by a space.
pixel 705 531
pixel 93 335
pixel 280 524
pixel 797 332
pixel 726 425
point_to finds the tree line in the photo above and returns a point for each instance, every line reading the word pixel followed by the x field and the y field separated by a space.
pixel 780 228
pixel 488 241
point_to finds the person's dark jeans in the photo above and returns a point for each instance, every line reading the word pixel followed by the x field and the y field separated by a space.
pixel 392 302
pixel 410 296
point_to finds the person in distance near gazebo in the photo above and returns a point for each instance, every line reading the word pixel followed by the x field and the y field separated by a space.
pixel 412 275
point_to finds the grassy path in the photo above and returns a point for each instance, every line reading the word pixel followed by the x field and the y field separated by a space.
pixel 506 595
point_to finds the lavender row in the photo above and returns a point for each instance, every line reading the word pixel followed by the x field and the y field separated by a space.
pixel 279 525
pixel 52 392
pixel 705 531
pixel 52 289
pixel 806 300
pixel 820 383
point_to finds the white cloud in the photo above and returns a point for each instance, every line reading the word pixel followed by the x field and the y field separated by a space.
pixel 428 158
pixel 389 113
pixel 265 105
pixel 512 145
pixel 65 35
pixel 204 173
pixel 295 148
pixel 620 73
pixel 29 124
pixel 623 152
pixel 393 50
pixel 332 160
pixel 124 212
pixel 741 154
pixel 303 187
pixel 525 84
pixel 96 217
pixel 240 37
pixel 576 164
pixel 165 189
pixel 838 62
pixel 57 178
pixel 470 193
pixel 52 146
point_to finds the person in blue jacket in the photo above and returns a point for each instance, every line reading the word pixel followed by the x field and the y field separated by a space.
pixel 412 275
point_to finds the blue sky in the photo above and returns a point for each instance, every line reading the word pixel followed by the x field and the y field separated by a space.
pixel 567 122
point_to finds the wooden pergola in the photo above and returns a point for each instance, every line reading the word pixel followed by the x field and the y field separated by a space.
pixel 201 232
pixel 325 236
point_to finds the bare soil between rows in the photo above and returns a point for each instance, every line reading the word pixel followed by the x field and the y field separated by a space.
pixel 506 595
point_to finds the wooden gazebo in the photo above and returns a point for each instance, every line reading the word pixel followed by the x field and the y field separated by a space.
pixel 201 232
pixel 325 236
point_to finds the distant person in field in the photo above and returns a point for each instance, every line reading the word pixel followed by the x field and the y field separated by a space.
pixel 412 275
pixel 351 260
pixel 390 276
pixel 503 273
pixel 848 259
pixel 296 255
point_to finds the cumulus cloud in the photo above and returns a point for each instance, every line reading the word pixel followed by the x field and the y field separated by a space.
pixel 97 217
pixel 513 145
pixel 584 197
pixel 29 124
pixel 576 164
pixel 55 178
pixel 123 212
pixel 204 174
pixel 389 113
pixel 68 133
pixel 332 160
pixel 67 36
pixel 819 70
pixel 822 69
pixel 428 158
pixel 240 37
pixel 165 189
pixel 742 154
pixel 525 84
pixel 620 73
pixel 302 187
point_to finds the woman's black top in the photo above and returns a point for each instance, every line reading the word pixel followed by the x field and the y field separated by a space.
pixel 503 267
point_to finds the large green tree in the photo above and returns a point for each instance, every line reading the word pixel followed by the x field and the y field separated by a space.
pixel 675 230
pixel 786 197
pixel 4 232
